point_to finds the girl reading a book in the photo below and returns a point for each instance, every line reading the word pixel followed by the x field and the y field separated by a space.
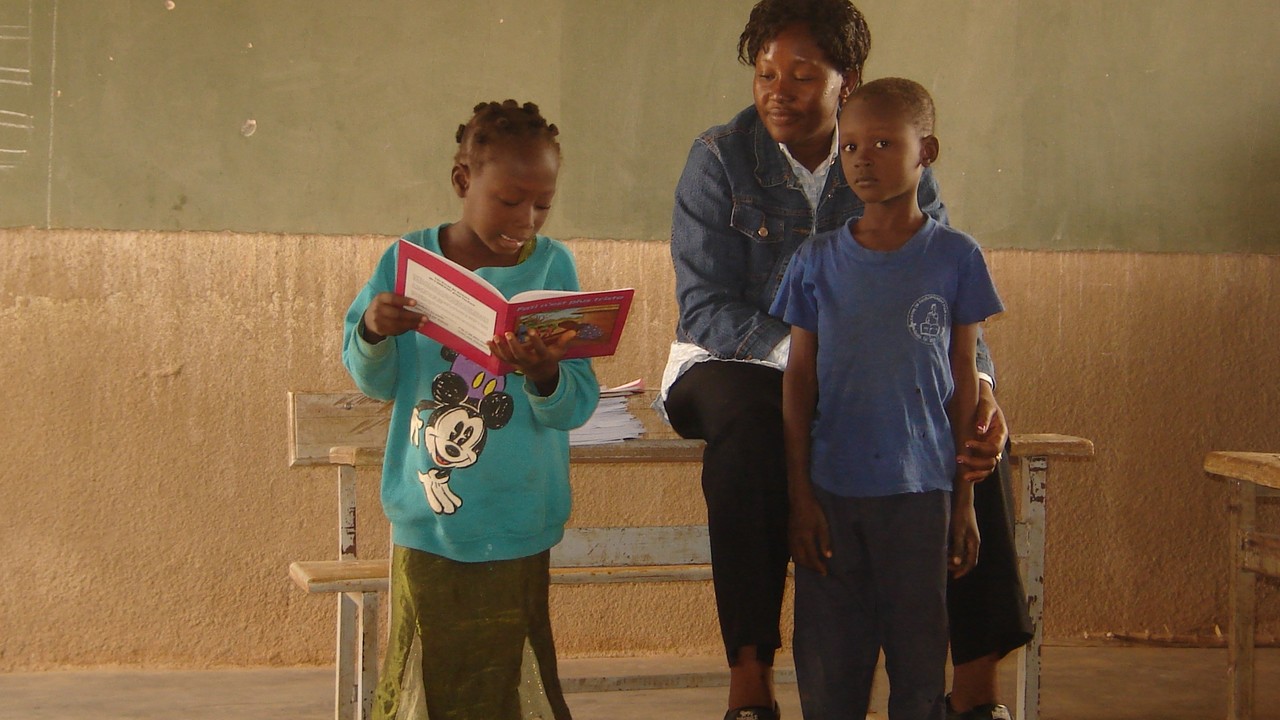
pixel 476 476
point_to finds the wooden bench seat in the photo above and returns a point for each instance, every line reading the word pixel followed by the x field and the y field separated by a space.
pixel 348 430
pixel 677 553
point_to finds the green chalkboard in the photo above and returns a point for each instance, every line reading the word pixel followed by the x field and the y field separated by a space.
pixel 338 117
pixel 1145 125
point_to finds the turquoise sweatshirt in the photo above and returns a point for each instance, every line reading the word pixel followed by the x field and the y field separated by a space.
pixel 477 466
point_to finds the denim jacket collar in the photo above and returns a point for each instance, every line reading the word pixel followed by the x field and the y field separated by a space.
pixel 772 167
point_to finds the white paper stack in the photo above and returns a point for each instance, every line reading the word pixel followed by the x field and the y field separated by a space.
pixel 612 421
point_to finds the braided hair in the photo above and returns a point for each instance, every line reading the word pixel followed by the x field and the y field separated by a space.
pixel 836 26
pixel 497 123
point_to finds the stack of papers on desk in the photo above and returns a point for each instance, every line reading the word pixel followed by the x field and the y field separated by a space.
pixel 612 421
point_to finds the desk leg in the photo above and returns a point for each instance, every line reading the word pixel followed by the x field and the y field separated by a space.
pixel 350 605
pixel 368 652
pixel 346 683
pixel 1032 476
pixel 1240 514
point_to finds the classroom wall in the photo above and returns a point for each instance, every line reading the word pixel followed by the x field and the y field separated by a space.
pixel 167 276
pixel 150 515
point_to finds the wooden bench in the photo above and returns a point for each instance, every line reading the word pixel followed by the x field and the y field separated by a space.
pixel 349 430
pixel 1251 475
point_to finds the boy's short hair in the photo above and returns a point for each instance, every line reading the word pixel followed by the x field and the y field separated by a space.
pixel 837 27
pixel 908 96
pixel 501 122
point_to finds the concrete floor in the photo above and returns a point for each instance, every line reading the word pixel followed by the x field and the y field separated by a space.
pixel 1080 683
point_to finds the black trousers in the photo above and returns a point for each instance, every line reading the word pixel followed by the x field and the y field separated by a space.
pixel 737 408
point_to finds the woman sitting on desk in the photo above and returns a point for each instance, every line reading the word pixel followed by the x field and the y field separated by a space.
pixel 753 190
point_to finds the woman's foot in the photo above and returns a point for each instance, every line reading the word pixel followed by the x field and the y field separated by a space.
pixel 751 688
pixel 988 711
pixel 755 712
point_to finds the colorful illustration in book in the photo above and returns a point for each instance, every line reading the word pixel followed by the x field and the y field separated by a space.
pixel 453 426
pixel 593 324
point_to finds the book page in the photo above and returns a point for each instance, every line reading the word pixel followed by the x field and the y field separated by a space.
pixel 450 307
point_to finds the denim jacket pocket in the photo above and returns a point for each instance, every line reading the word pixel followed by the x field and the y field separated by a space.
pixel 755 224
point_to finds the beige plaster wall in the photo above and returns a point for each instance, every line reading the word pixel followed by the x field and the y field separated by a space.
pixel 149 517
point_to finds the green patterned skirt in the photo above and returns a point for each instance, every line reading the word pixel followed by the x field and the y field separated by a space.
pixel 469 641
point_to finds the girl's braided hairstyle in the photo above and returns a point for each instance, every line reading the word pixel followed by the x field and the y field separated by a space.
pixel 507 122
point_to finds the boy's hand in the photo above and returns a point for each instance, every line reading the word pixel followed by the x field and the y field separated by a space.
pixel 964 538
pixel 537 359
pixel 808 535
pixel 983 452
pixel 389 315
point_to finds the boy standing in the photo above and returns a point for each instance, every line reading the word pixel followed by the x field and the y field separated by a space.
pixel 879 393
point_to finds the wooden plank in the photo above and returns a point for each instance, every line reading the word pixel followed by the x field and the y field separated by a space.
pixel 357 456
pixel 321 420
pixel 677 450
pixel 1255 467
pixel 586 555
pixel 1049 444
pixel 346 683
pixel 340 576
pixel 629 546
pixel 1033 474
pixel 669 450
pixel 1241 513
pixel 672 450
pixel 369 656
pixel 370 576
pixel 1261 553
pixel 634 574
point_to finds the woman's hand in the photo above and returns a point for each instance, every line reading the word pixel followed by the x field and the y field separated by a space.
pixel 983 453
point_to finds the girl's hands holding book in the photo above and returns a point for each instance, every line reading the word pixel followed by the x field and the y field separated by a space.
pixel 537 358
pixel 389 315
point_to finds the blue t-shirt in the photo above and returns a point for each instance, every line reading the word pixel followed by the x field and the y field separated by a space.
pixel 883 321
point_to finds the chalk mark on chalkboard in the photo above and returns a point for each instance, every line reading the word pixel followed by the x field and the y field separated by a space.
pixel 15 76
pixel 17 122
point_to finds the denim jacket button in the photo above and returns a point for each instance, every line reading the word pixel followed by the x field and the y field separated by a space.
pixel 764 231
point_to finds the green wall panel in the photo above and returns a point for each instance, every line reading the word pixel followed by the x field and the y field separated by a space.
pixel 1065 124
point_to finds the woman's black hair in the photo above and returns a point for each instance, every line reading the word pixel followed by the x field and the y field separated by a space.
pixel 502 122
pixel 836 25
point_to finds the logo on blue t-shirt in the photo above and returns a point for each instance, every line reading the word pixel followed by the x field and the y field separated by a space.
pixel 929 318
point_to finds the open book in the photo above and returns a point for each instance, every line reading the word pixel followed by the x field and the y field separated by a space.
pixel 465 311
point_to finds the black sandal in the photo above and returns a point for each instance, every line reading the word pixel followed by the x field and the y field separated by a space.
pixel 754 712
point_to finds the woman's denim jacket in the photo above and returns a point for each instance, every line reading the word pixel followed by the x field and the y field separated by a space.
pixel 739 216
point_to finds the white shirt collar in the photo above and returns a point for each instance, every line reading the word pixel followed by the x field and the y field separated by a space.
pixel 812 182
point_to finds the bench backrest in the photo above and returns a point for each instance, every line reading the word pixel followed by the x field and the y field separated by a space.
pixel 321 420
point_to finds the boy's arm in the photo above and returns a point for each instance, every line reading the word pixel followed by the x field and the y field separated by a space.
pixel 807 527
pixel 962 411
